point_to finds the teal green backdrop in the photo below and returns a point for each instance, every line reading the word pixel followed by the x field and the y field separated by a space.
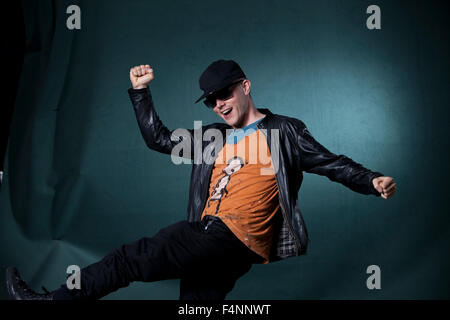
pixel 79 180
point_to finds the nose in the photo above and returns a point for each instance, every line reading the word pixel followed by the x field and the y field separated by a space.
pixel 219 103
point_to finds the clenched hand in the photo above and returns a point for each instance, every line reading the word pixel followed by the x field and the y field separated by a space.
pixel 141 76
pixel 385 185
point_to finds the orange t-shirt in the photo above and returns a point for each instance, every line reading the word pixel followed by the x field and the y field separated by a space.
pixel 243 191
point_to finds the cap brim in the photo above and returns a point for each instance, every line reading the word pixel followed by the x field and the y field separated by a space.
pixel 216 90
pixel 203 96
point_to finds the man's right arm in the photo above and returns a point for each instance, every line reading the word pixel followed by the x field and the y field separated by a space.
pixel 315 158
pixel 156 135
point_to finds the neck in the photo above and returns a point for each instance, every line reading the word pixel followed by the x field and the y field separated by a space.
pixel 251 116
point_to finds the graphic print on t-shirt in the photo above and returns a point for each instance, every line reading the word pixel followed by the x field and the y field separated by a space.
pixel 220 190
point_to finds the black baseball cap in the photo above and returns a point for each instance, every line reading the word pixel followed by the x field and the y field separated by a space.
pixel 219 75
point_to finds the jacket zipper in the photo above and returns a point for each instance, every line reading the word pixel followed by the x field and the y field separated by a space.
pixel 284 215
pixel 205 193
pixel 281 201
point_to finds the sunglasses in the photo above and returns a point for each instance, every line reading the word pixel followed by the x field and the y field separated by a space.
pixel 224 94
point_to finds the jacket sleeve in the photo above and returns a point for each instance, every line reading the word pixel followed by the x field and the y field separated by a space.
pixel 315 158
pixel 155 133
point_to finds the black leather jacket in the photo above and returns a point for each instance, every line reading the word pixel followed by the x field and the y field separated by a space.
pixel 298 151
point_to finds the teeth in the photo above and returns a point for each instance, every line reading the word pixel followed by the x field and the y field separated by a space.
pixel 226 112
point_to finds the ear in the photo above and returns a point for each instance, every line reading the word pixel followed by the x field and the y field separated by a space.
pixel 246 84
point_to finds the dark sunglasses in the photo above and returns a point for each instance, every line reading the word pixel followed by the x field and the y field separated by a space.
pixel 224 94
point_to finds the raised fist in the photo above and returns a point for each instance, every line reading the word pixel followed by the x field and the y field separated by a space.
pixel 140 76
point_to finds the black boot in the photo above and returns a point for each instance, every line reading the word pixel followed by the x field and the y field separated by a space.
pixel 19 290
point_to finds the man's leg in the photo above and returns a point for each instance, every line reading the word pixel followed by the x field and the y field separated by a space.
pixel 167 255
pixel 185 250
pixel 178 251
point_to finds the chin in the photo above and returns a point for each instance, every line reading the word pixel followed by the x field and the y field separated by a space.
pixel 229 122
pixel 234 124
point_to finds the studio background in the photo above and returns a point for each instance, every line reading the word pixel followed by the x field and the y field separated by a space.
pixel 79 180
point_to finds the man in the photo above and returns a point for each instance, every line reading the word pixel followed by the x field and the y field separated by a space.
pixel 242 208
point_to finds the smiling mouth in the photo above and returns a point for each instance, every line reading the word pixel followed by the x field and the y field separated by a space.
pixel 227 112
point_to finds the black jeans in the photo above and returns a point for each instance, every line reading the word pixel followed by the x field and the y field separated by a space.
pixel 206 256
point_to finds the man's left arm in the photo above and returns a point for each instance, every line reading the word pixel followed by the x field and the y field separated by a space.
pixel 315 158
